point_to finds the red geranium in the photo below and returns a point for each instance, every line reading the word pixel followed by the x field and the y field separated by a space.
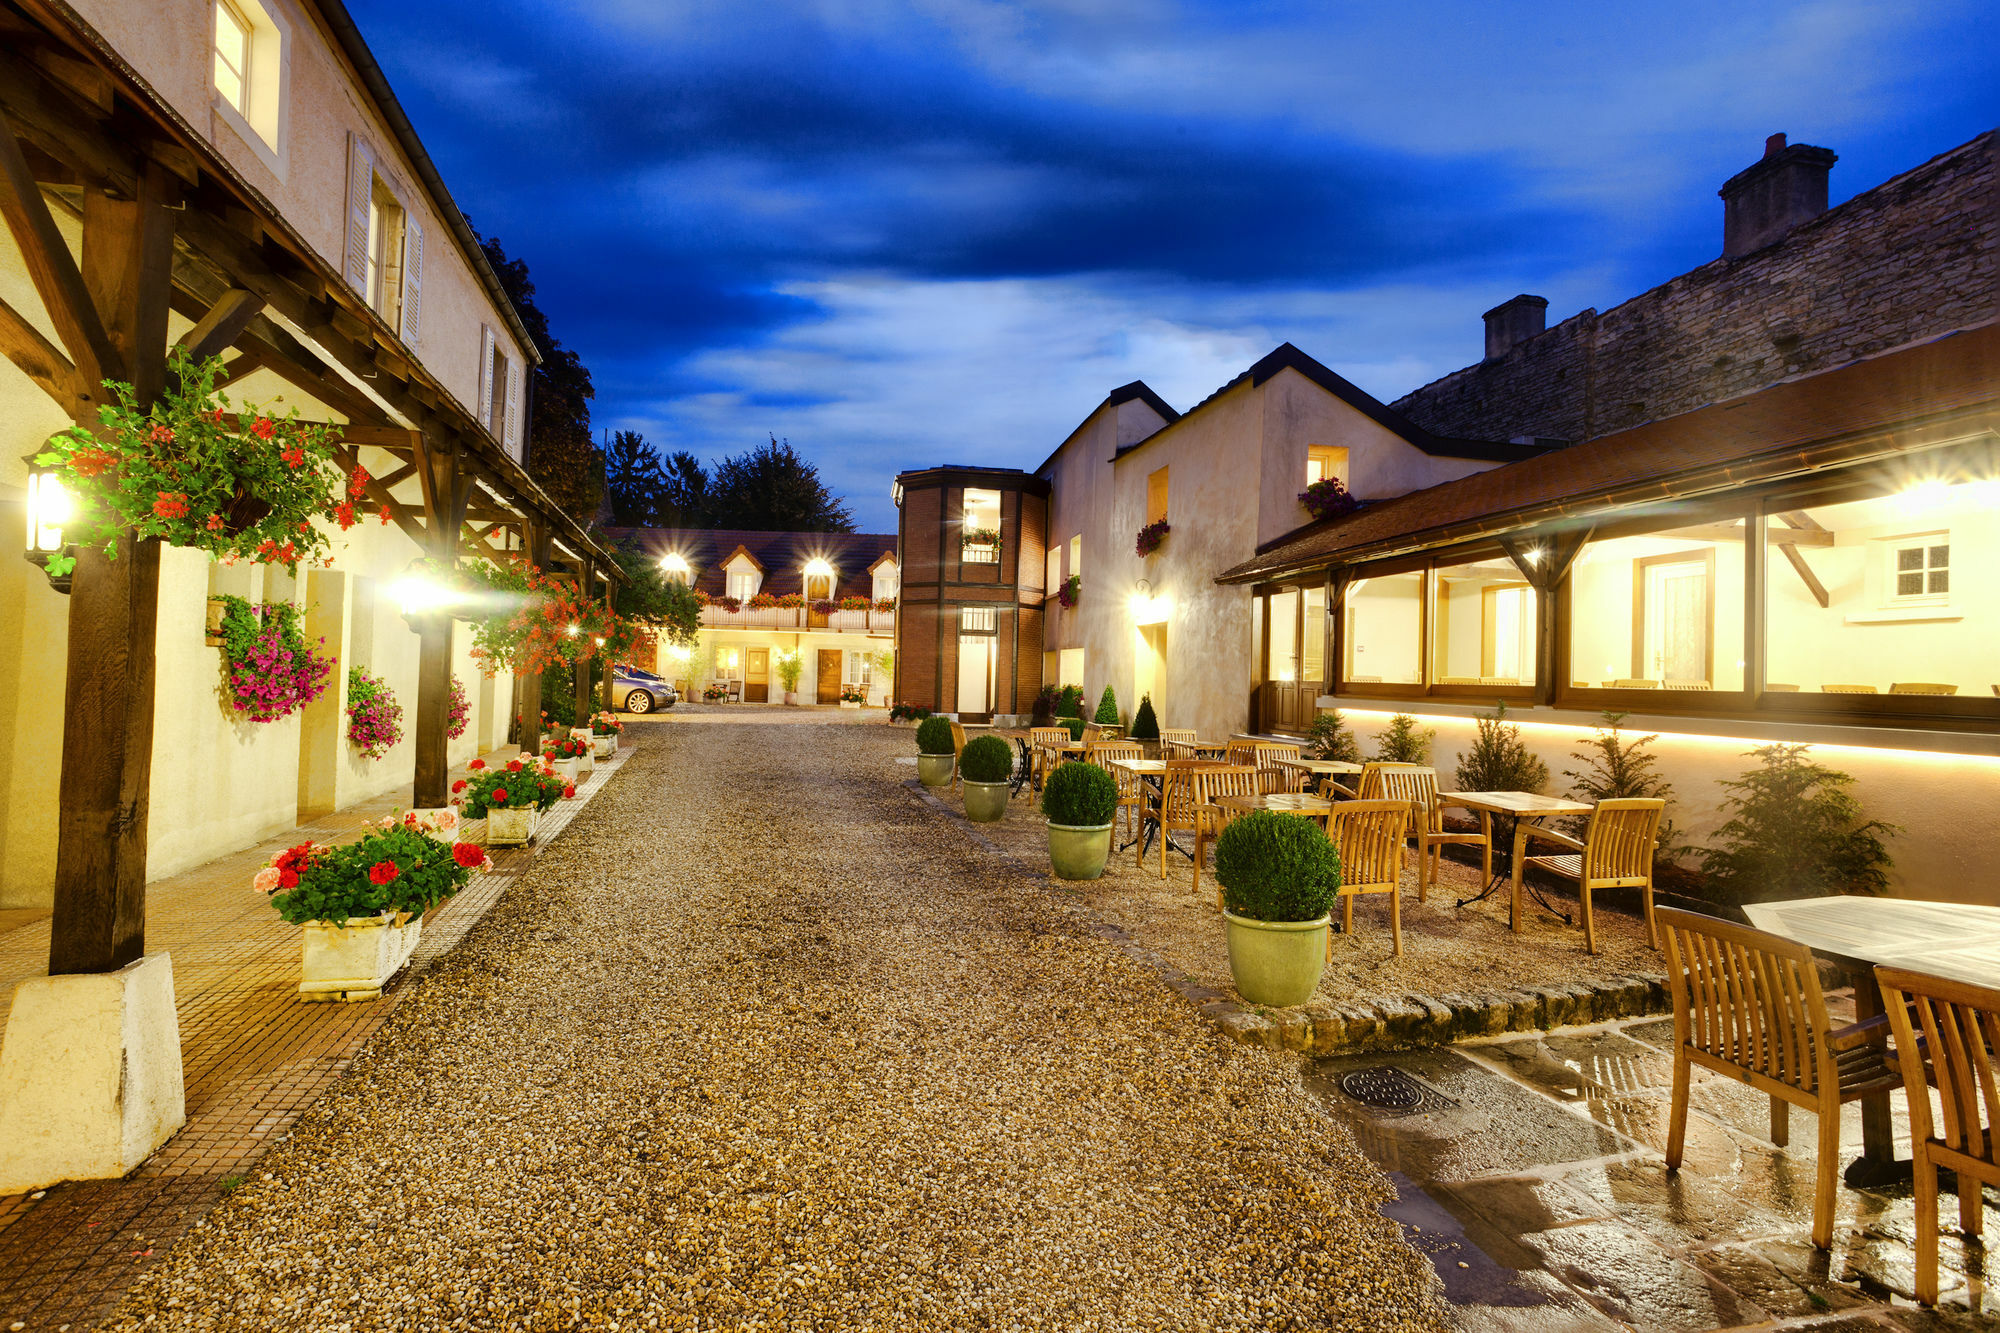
pixel 171 504
pixel 499 796
pixel 467 854
pixel 262 428
pixel 458 786
pixel 477 763
pixel 288 878
pixel 513 766
pixel 569 793
pixel 382 872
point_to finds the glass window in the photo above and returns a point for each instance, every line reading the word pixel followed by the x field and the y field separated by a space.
pixel 232 57
pixel 743 583
pixel 1484 633
pixel 1859 597
pixel 1076 554
pixel 1054 570
pixel 1325 461
pixel 978 620
pixel 1069 667
pixel 980 537
pixel 1156 495
pixel 1312 634
pixel 1283 664
pixel 1663 611
pixel 1384 630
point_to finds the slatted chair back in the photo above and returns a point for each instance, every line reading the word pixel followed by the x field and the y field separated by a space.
pixel 1630 683
pixel 1369 835
pixel 957 739
pixel 1746 999
pixel 1848 689
pixel 1270 752
pixel 1241 754
pixel 1039 737
pixel 1687 685
pixel 1922 687
pixel 1415 783
pixel 1951 1030
pixel 1173 741
pixel 1214 782
pixel 1105 752
pixel 1618 847
pixel 1177 797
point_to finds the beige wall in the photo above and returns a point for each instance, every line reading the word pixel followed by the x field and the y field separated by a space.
pixel 880 685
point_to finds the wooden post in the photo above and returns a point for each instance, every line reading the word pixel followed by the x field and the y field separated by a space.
pixel 580 672
pixel 528 700
pixel 445 487
pixel 608 669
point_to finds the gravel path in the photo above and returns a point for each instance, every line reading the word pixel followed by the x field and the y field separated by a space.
pixel 763 1044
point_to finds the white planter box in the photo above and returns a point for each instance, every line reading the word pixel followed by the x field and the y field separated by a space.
pixel 510 827
pixel 848 703
pixel 584 766
pixel 354 961
pixel 604 746
pixel 567 767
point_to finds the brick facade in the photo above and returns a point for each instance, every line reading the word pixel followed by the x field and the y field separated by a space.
pixel 1910 259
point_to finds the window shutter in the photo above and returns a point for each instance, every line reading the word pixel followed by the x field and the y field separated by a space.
pixel 484 408
pixel 360 185
pixel 513 407
pixel 413 277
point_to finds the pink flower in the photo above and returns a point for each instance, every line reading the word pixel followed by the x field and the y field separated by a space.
pixel 266 880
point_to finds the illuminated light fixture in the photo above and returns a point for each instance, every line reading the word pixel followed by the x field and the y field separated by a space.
pixel 818 568
pixel 417 595
pixel 681 652
pixel 1925 494
pixel 674 563
pixel 574 630
pixel 599 642
pixel 49 508
pixel 1145 607
pixel 1533 555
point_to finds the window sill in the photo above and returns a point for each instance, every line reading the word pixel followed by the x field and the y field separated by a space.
pixel 1906 615
pixel 265 151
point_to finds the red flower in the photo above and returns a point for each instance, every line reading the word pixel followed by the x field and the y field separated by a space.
pixel 467 855
pixel 382 872
pixel 288 878
pixel 216 415
pixel 293 455
pixel 383 514
pixel 214 523
pixel 499 796
pixel 343 514
pixel 171 504
pixel 90 462
pixel 357 482
pixel 305 527
pixel 458 786
pixel 477 763
pixel 162 435
pixel 264 430
pixel 569 793
pixel 513 766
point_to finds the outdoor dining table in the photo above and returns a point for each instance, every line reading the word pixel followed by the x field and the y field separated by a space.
pixel 1279 802
pixel 1198 749
pixel 1319 769
pixel 1514 806
pixel 1153 772
pixel 1956 940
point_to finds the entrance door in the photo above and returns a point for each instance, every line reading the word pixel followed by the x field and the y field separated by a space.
pixel 757 675
pixel 828 691
pixel 975 676
pixel 819 591
pixel 1675 621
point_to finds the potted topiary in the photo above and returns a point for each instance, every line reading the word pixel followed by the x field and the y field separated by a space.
pixel 1146 727
pixel 985 767
pixel 935 757
pixel 1279 876
pixel 1079 800
pixel 1107 710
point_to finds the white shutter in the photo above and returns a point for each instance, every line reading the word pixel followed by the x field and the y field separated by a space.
pixel 483 409
pixel 413 277
pixel 360 187
pixel 513 408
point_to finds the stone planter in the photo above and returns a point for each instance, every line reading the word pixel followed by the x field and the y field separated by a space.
pixel 986 802
pixel 849 703
pixel 567 767
pixel 934 770
pixel 212 631
pixel 1150 748
pixel 603 747
pixel 1275 962
pixel 510 827
pixel 586 764
pixel 355 961
pixel 1079 851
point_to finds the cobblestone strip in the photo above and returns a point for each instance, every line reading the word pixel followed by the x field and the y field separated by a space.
pixel 1417 1020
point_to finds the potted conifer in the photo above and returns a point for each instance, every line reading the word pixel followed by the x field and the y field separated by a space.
pixel 1146 727
pixel 1280 876
pixel 1079 800
pixel 1107 710
pixel 935 756
pixel 985 768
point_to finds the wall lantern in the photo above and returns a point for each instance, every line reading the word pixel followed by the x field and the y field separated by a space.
pixel 49 508
pixel 1146 607
pixel 675 563
pixel 574 630
pixel 818 569
pixel 418 596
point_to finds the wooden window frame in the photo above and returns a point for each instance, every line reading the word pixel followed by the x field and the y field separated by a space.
pixel 1640 568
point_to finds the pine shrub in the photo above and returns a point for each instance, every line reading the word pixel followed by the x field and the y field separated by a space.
pixel 1145 723
pixel 1107 708
pixel 1081 796
pixel 1069 701
pixel 1329 738
pixel 1276 867
pixel 1797 832
pixel 1404 742
pixel 934 736
pixel 1499 759
pixel 986 759
pixel 1620 769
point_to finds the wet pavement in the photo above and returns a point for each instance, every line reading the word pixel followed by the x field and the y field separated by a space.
pixel 1530 1170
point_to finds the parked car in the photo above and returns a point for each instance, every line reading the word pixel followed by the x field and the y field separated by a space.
pixel 640 691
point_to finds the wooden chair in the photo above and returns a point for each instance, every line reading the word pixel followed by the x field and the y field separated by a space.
pixel 1039 740
pixel 1131 787
pixel 1175 811
pixel 1955 1053
pixel 1172 738
pixel 1922 687
pixel 957 749
pixel 1630 684
pixel 1370 837
pixel 1748 1004
pixel 1686 685
pixel 1616 852
pixel 1501 680
pixel 1417 785
pixel 1773 687
pixel 1266 757
pixel 1211 784
pixel 1848 689
pixel 1458 680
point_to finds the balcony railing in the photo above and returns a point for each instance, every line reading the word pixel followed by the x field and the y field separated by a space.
pixel 799 618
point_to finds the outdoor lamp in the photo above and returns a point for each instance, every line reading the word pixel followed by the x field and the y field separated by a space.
pixel 675 563
pixel 818 568
pixel 574 630
pixel 418 596
pixel 48 509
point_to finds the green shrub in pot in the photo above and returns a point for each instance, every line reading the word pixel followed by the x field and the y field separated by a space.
pixel 1079 800
pixel 1280 875
pixel 934 751
pixel 985 767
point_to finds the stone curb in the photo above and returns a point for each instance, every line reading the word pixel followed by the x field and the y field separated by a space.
pixel 1414 1020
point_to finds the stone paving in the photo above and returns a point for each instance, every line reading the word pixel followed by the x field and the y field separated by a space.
pixel 253 1058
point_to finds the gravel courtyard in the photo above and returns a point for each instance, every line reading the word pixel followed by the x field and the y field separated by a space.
pixel 761 1043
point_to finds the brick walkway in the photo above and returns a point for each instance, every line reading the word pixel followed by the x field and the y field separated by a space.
pixel 253 1056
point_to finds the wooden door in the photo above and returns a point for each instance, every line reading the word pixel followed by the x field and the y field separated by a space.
pixel 819 588
pixel 757 675
pixel 828 691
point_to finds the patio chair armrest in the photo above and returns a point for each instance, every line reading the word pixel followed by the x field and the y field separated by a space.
pixel 1530 830
pixel 1857 1034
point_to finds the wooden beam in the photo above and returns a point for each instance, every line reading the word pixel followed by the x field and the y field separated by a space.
pixel 40 360
pixel 128 264
pixel 1730 532
pixel 51 267
pixel 223 323
pixel 1813 585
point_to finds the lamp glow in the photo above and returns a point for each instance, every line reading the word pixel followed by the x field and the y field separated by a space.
pixel 818 568
pixel 574 630
pixel 416 595
pixel 674 563
pixel 48 509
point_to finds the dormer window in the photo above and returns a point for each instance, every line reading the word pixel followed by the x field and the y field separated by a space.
pixel 888 581
pixel 743 583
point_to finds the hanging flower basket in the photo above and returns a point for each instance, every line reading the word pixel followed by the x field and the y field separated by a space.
pixel 1071 590
pixel 1151 536
pixel 1328 498
pixel 269 671
pixel 460 710
pixel 374 718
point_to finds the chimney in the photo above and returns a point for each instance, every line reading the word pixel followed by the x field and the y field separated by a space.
pixel 1763 202
pixel 1513 322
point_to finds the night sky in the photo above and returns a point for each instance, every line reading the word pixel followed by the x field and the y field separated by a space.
pixel 940 231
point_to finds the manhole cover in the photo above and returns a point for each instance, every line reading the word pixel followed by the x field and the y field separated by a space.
pixel 1387 1088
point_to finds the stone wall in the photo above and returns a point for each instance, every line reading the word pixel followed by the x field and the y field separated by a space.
pixel 1910 259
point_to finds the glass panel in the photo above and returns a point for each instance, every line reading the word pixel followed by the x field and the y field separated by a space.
pixel 1890 622
pixel 978 620
pixel 1661 611
pixel 1385 619
pixel 232 55
pixel 1054 570
pixel 1156 495
pixel 1282 615
pixel 1485 628
pixel 980 535
pixel 1312 636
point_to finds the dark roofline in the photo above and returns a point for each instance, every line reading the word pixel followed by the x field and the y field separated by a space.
pixel 1137 390
pixel 945 474
pixel 355 47
pixel 1285 356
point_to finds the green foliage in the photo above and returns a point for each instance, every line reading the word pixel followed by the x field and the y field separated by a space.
pixel 1145 723
pixel 934 736
pixel 1069 701
pixel 986 759
pixel 515 785
pixel 771 489
pixel 790 663
pixel 1797 832
pixel 665 606
pixel 1107 708
pixel 1499 759
pixel 1329 738
pixel 394 867
pixel 1080 795
pixel 1275 867
pixel 1404 742
pixel 1620 769
pixel 1075 726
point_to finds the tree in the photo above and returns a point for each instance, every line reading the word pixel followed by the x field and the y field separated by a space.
pixel 1107 708
pixel 1499 759
pixel 683 497
pixel 633 477
pixel 1620 769
pixel 1404 742
pixel 1796 832
pixel 771 489
pixel 665 605
pixel 561 457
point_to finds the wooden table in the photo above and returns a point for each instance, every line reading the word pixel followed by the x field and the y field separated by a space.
pixel 1153 772
pixel 1280 802
pixel 1319 769
pixel 1956 940
pixel 1515 806
pixel 1198 749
